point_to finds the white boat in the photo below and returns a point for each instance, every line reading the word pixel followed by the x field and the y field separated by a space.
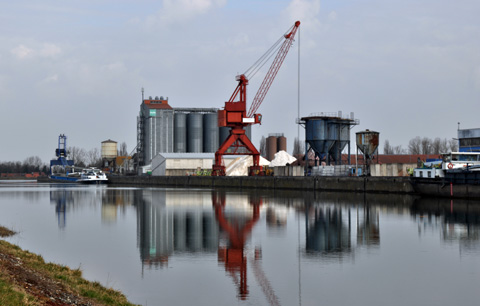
pixel 92 176
pixel 469 161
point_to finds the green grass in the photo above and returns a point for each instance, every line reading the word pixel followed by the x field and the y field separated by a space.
pixel 11 294
pixel 11 297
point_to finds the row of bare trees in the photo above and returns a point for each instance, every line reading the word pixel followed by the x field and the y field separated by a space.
pixel 29 165
pixel 84 158
pixel 80 156
pixel 425 145
pixel 92 158
pixel 417 145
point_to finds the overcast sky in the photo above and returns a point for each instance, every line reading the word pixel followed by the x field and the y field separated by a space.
pixel 405 68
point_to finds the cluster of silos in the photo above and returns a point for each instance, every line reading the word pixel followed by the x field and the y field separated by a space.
pixel 328 135
pixel 195 132
pixel 367 143
pixel 274 144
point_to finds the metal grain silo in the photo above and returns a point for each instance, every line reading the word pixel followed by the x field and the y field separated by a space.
pixel 180 133
pixel 317 135
pixel 281 143
pixel 271 147
pixel 223 133
pixel 195 132
pixel 210 132
pixel 367 143
pixel 327 135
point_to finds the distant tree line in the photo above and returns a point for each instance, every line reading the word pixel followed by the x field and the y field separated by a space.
pixel 425 145
pixel 29 165
pixel 81 158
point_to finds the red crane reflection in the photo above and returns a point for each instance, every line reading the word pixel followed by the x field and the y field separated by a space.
pixel 233 256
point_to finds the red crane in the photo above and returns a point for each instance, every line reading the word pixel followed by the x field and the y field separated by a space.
pixel 234 114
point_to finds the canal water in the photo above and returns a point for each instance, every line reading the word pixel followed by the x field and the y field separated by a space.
pixel 205 247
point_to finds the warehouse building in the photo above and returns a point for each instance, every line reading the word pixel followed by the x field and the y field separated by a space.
pixel 179 164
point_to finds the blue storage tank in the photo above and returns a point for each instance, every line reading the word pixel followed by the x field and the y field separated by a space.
pixel 210 132
pixel 195 132
pixel 180 133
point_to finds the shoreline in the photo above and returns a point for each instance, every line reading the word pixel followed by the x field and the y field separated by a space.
pixel 26 279
pixel 373 184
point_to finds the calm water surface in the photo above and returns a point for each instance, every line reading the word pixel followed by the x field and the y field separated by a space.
pixel 204 247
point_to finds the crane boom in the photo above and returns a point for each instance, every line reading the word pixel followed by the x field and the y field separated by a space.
pixel 235 116
pixel 272 72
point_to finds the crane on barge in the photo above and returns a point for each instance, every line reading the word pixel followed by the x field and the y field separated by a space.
pixel 235 116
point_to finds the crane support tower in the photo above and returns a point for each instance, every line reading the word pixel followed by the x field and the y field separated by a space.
pixel 235 116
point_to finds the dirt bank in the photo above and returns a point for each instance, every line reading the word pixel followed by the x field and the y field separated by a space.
pixel 25 279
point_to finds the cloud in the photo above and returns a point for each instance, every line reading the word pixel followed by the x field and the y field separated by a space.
pixel 45 50
pixel 306 11
pixel 332 16
pixel 175 11
pixel 240 39
pixel 22 52
pixel 49 50
pixel 51 79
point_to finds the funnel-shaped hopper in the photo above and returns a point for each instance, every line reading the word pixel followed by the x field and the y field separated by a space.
pixel 367 142
pixel 318 137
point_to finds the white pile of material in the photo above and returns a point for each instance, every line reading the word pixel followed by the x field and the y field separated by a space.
pixel 239 167
pixel 281 159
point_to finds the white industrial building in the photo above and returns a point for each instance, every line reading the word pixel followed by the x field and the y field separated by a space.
pixel 180 164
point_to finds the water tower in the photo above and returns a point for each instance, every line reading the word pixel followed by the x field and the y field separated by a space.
pixel 109 154
pixel 327 134
pixel 367 143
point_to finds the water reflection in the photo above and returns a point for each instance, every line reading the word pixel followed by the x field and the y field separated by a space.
pixel 111 201
pixel 171 221
pixel 237 228
pixel 457 221
pixel 221 224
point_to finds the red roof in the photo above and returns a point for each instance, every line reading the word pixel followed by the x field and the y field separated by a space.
pixel 393 159
pixel 157 104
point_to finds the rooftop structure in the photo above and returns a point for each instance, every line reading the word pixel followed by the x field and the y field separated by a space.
pixel 469 140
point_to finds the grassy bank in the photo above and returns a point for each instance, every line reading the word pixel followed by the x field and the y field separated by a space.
pixel 26 279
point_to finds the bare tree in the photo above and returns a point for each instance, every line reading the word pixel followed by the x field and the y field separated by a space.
pixel 415 146
pixel 398 150
pixel 298 146
pixel 32 164
pixel 78 155
pixel 387 148
pixel 33 161
pixel 94 158
pixel 263 147
pixel 443 146
pixel 122 151
pixel 426 145
pixel 453 145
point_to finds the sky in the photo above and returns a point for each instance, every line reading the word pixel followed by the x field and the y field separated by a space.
pixel 404 68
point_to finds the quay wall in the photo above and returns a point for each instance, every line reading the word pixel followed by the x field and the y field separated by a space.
pixel 399 185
